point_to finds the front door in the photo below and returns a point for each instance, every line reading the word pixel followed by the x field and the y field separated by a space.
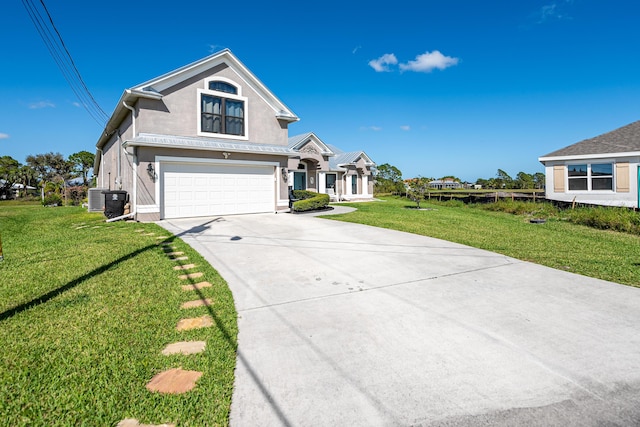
pixel 354 184
pixel 299 180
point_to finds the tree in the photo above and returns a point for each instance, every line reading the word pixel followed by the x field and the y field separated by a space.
pixel 503 179
pixel 418 189
pixel 539 180
pixel 524 180
pixel 26 174
pixel 82 163
pixel 388 179
pixel 9 175
pixel 50 168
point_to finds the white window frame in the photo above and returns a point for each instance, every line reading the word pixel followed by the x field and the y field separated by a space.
pixel 226 95
pixel 589 177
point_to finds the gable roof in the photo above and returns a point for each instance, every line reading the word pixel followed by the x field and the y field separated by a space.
pixel 623 140
pixel 342 158
pixel 152 89
pixel 298 141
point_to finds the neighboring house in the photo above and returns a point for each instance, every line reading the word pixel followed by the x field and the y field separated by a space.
pixel 599 171
pixel 210 139
pixel 445 184
pixel 324 168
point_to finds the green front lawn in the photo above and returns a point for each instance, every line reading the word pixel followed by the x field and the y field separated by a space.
pixel 86 308
pixel 607 255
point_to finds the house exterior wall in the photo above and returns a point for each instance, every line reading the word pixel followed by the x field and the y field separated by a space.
pixel 112 154
pixel 625 182
pixel 177 112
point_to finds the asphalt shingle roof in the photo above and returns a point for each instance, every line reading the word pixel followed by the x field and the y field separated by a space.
pixel 622 140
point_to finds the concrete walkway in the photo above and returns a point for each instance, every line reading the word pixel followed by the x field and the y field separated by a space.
pixel 345 324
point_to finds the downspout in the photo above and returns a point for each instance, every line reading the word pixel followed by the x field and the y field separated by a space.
pixel 133 128
pixel 134 195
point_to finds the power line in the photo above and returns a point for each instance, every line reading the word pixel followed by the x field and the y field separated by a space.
pixel 61 56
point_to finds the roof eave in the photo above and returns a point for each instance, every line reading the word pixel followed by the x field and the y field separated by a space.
pixel 588 156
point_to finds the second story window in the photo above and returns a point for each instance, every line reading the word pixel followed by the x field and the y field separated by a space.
pixel 222 110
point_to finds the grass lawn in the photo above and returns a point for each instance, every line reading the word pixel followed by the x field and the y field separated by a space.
pixel 559 244
pixel 86 308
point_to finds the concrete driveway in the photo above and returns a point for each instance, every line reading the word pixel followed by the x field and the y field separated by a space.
pixel 350 325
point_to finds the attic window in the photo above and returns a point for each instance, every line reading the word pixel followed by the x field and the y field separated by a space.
pixel 223 87
pixel 222 109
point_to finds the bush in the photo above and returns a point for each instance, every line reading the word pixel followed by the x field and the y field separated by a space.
pixel 606 218
pixel 309 200
pixel 75 195
pixel 52 199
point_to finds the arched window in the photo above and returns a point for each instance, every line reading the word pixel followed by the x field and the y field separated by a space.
pixel 222 87
pixel 222 109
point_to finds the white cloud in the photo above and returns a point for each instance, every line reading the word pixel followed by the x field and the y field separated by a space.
pixel 553 12
pixel 76 104
pixel 405 127
pixel 429 61
pixel 41 104
pixel 373 128
pixel 355 49
pixel 4 136
pixel 382 64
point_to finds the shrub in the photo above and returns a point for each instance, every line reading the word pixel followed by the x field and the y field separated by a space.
pixel 52 199
pixel 309 200
pixel 606 218
pixel 75 195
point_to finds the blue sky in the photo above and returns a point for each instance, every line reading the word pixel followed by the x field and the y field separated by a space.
pixel 434 88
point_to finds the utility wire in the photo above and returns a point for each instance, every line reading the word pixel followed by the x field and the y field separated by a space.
pixel 61 56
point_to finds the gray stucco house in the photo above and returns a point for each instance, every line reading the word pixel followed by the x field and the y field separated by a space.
pixel 603 170
pixel 210 139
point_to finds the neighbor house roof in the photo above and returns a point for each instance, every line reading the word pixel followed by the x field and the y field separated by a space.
pixel 298 141
pixel 342 158
pixel 622 140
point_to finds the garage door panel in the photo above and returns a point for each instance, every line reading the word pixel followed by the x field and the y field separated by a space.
pixel 204 190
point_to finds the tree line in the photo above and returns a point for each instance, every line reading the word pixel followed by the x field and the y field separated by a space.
pixel 388 179
pixel 55 177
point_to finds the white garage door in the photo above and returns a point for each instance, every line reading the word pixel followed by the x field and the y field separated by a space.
pixel 190 190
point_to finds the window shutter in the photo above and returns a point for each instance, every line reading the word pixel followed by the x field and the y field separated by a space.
pixel 622 177
pixel 558 178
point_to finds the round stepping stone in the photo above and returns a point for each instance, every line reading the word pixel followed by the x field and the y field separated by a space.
pixel 180 258
pixel 196 286
pixel 132 422
pixel 184 347
pixel 174 381
pixel 174 253
pixel 162 237
pixel 197 303
pixel 184 267
pixel 190 276
pixel 195 323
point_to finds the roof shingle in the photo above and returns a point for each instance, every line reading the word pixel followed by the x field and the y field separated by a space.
pixel 622 140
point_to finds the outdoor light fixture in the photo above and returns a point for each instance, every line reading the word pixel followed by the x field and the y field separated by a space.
pixel 285 174
pixel 151 171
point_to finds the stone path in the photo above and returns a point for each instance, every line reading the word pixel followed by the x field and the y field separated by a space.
pixel 177 380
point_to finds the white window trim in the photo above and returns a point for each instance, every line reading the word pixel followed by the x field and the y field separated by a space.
pixel 589 177
pixel 226 95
